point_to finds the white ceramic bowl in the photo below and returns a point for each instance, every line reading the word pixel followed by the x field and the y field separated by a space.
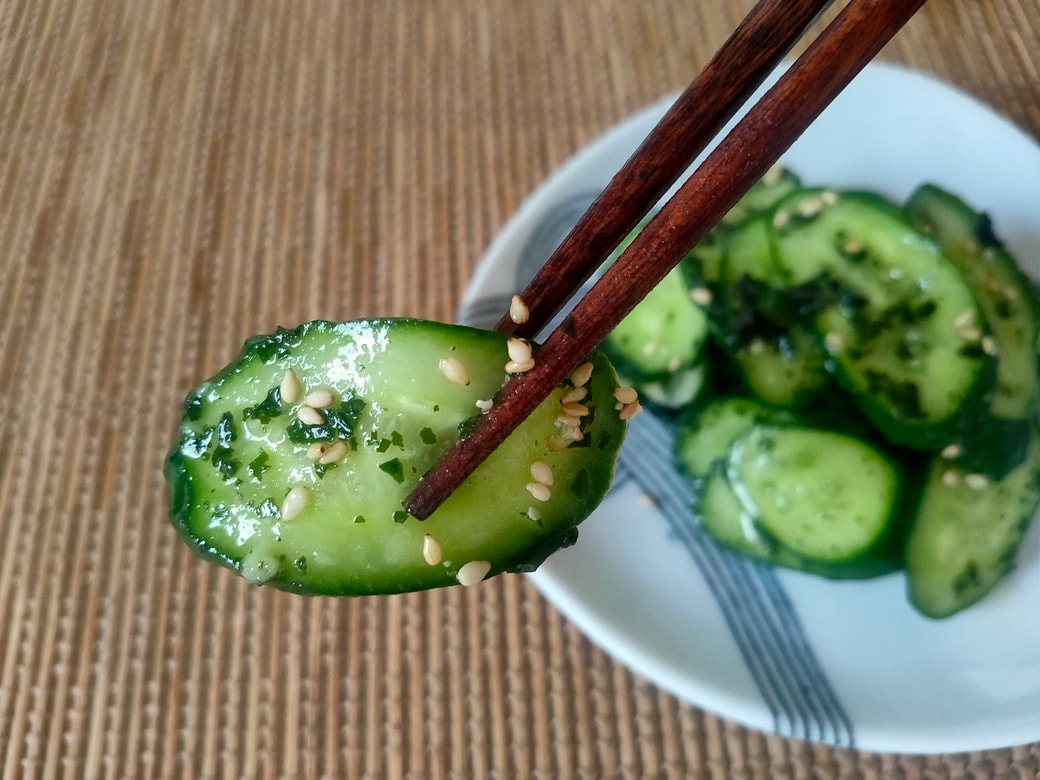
pixel 847 663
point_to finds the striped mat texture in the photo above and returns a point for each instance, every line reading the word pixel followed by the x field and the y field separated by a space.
pixel 178 175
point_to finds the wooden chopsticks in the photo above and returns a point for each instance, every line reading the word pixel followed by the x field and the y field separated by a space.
pixel 750 54
pixel 855 36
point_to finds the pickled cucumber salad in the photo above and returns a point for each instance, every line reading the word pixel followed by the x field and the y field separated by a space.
pixel 854 386
pixel 294 461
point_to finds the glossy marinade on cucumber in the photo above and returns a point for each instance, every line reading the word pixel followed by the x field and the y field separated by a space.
pixel 293 462
pixel 870 389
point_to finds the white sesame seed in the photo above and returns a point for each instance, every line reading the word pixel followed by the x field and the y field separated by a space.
pixel 952 451
pixel 335 454
pixel 295 502
pixel 319 399
pixel 781 219
pixel 290 389
pixel 675 364
pixel 619 406
pixel 538 491
pixel 647 500
pixel 519 350
pixel 970 333
pixel 310 416
pixel 575 395
pixel 514 367
pixel 701 296
pixel 455 370
pixel 431 550
pixel 989 345
pixel 473 572
pixel 626 395
pixel 976 481
pixel 542 472
pixel 829 197
pixel 949 478
pixel 834 342
pixel 316 450
pixel 651 348
pixel 568 420
pixel 484 405
pixel 557 443
pixel 810 207
pixel 518 311
pixel 534 514
pixel 564 438
pixel 630 411
pixel 575 409
pixel 965 318
pixel 582 374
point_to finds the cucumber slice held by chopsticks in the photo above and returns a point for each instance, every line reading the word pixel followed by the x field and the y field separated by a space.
pixel 293 462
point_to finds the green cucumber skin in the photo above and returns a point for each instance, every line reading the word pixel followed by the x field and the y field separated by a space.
pixel 964 539
pixel 722 515
pixel 806 488
pixel 357 540
pixel 908 414
pixel 997 437
pixel 666 319
pixel 704 438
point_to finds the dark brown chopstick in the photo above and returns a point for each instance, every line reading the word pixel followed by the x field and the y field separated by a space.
pixel 857 34
pixel 750 54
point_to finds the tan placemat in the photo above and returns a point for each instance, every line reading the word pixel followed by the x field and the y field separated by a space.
pixel 175 176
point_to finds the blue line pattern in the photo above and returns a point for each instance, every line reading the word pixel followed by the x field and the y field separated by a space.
pixel 757 610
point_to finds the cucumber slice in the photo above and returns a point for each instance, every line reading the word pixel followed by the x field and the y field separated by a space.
pixel 251 491
pixel 726 520
pixel 824 496
pixel 997 438
pixel 662 335
pixel 907 337
pixel 703 435
pixel 966 532
pixel 777 359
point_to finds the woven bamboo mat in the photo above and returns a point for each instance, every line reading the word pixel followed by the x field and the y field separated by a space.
pixel 175 176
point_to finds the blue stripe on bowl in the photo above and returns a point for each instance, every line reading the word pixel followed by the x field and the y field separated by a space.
pixel 760 616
